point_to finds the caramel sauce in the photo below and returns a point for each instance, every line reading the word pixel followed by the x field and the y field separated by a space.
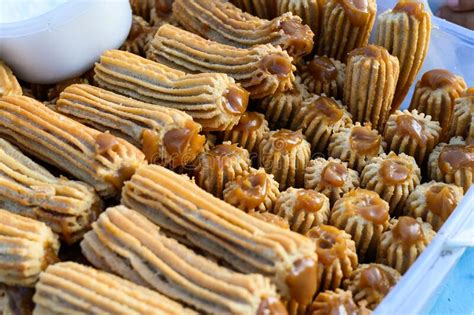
pixel 410 7
pixel 301 280
pixel 357 11
pixel 120 176
pixel 271 306
pixel 250 121
pixel 50 257
pixel 286 140
pixel 333 174
pixel 441 201
pixel 330 243
pixel 252 190
pixel 370 206
pixel 322 69
pixel 409 126
pixel 371 51
pixel 327 108
pixel 183 144
pixel 394 172
pixel 374 278
pixel 454 157
pixel 308 201
pixel 20 300
pixel 104 142
pixel 300 37
pixel 163 6
pixel 408 231
pixel 365 141
pixel 277 65
pixel 224 149
pixel 236 99
pixel 271 218
pixel 150 144
pixel 437 79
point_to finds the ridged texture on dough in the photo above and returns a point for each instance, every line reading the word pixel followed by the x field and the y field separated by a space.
pixel 27 247
pixel 317 85
pixel 262 70
pixel 260 8
pixel 8 83
pixel 223 22
pixel 336 302
pixel 67 207
pixel 139 36
pixel 150 127
pixel 99 159
pixel 71 288
pixel 462 124
pixel 203 96
pixel 308 10
pixel 246 243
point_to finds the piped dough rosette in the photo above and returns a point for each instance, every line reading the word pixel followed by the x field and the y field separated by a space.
pixel 364 215
pixel 405 32
pixel 403 242
pixel 124 242
pixel 453 163
pixel 223 22
pixel 411 133
pixel 221 164
pixel 336 302
pixel 8 83
pixel 26 188
pixel 393 177
pixel 302 208
pixel 370 283
pixel 254 190
pixel 330 177
pixel 167 136
pixel 27 248
pixel 262 70
pixel 323 75
pixel 435 95
pixel 212 99
pixel 345 26
pixel 249 132
pixel 371 78
pixel 433 202
pixel 318 118
pixel 462 124
pixel 97 158
pixel 356 145
pixel 285 154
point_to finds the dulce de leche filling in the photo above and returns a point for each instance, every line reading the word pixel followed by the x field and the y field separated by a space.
pixel 437 79
pixel 394 172
pixel 365 141
pixel 408 231
pixel 322 69
pixel 330 243
pixel 356 10
pixel 369 205
pixel 236 99
pixel 104 142
pixel 413 8
pixel 308 201
pixel 454 157
pixel 277 65
pixel 251 189
pixel 440 200
pixel 249 121
pixel 271 306
pixel 300 37
pixel 301 280
pixel 376 279
pixel 184 144
pixel 371 51
pixel 285 140
pixel 408 125
pixel 326 108
pixel 333 174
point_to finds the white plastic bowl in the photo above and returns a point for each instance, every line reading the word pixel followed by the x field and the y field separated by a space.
pixel 65 41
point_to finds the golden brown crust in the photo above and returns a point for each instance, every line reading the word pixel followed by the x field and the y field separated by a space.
pixel 433 202
pixel 308 10
pixel 336 302
pixel 411 133
pixel 462 124
pixel 403 242
pixel 285 154
pixel 8 83
pixel 271 218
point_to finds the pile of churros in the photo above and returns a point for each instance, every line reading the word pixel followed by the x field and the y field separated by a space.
pixel 232 157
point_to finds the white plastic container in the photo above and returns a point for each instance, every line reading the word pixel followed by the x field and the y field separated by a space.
pixel 63 42
pixel 452 48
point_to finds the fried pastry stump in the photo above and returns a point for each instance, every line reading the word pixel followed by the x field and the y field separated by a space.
pixel 403 242
pixel 411 133
pixel 308 10
pixel 8 83
pixel 462 124
pixel 303 209
pixel 318 118
pixel 223 22
pixel 371 78
pixel 71 288
pixel 255 190
pixel 405 32
pixel 285 154
pixel 27 248
pixel 435 95
pixel 246 243
pixel 433 202
pixel 212 99
pixel 336 302
pixel 323 75
pixel 139 37
pixel 99 159
pixel 126 243
pixel 453 163
pixel 370 283
pixel 345 26
pixel 262 70
pixel 67 207
pixel 167 136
